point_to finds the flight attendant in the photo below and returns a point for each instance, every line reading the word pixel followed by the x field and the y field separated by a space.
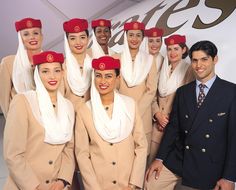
pixel 138 73
pixel 101 35
pixel 16 71
pixel 111 146
pixel 78 63
pixel 153 45
pixel 175 72
pixel 38 136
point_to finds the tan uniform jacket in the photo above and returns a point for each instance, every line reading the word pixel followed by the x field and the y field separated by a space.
pixel 164 104
pixel 75 99
pixel 143 94
pixel 29 159
pixel 7 90
pixel 104 165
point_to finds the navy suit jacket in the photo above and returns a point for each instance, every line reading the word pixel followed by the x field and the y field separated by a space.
pixel 199 145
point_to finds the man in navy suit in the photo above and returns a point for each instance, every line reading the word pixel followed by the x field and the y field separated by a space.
pixel 199 144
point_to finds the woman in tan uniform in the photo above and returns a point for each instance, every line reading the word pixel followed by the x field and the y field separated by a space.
pixel 16 72
pixel 174 73
pixel 111 146
pixel 101 35
pixel 38 136
pixel 153 45
pixel 138 73
pixel 78 62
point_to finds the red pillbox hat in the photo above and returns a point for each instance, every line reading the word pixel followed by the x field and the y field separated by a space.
pixel 101 22
pixel 134 26
pixel 154 32
pixel 175 39
pixel 27 23
pixel 75 25
pixel 106 63
pixel 48 57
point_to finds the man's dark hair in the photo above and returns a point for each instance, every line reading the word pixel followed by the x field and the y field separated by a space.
pixel 206 46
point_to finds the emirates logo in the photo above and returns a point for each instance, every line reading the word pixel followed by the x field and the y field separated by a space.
pixel 102 66
pixel 135 26
pixel 50 58
pixel 77 29
pixel 29 24
pixel 102 23
pixel 172 41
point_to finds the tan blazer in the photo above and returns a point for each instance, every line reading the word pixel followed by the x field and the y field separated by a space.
pixel 104 165
pixel 164 104
pixel 29 159
pixel 143 94
pixel 75 100
pixel 7 90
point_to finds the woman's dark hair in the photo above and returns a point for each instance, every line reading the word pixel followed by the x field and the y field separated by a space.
pixel 117 71
pixel 86 31
pixel 94 29
pixel 183 45
pixel 206 46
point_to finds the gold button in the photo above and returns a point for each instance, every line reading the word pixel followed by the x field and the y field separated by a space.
pixel 207 136
pixel 50 162
pixel 187 147
pixel 210 120
pixel 203 150
pixel 186 132
pixel 186 116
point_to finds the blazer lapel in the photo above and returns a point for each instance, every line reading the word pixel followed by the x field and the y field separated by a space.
pixel 207 105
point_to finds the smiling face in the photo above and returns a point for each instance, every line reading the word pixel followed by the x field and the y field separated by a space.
pixel 78 42
pixel 203 65
pixel 105 82
pixel 102 34
pixel 32 38
pixel 134 38
pixel 154 45
pixel 51 75
pixel 175 53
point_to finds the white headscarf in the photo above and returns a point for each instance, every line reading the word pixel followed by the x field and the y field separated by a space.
pixel 22 74
pixel 135 73
pixel 158 59
pixel 79 83
pixel 97 50
pixel 58 127
pixel 120 125
pixel 168 84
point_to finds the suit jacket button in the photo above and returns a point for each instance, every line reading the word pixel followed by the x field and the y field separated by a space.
pixel 186 116
pixel 203 150
pixel 186 132
pixel 47 181
pixel 210 120
pixel 187 147
pixel 114 182
pixel 207 136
